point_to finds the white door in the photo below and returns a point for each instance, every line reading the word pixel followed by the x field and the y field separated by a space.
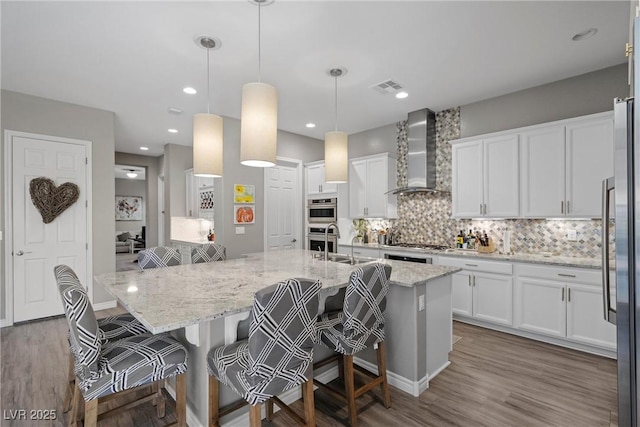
pixel 357 188
pixel 540 306
pixel 589 161
pixel 461 294
pixel 160 212
pixel 377 176
pixel 466 179
pixel 493 298
pixel 315 179
pixel 501 177
pixel 542 172
pixel 38 247
pixel 283 213
pixel 585 322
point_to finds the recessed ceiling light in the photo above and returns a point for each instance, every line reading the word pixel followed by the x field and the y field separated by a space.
pixel 310 125
pixel 189 91
pixel 173 130
pixel 144 148
pixel 401 95
pixel 586 34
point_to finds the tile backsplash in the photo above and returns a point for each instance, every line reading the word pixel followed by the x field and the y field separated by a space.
pixel 426 217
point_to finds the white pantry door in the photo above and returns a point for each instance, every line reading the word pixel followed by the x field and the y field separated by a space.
pixel 283 216
pixel 39 247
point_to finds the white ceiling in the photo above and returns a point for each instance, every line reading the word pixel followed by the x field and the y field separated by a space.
pixel 134 58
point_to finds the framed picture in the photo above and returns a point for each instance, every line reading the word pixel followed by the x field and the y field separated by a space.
pixel 129 208
pixel 243 214
pixel 244 193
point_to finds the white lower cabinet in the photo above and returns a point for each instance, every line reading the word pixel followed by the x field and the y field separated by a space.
pixel 359 251
pixel 480 292
pixel 563 303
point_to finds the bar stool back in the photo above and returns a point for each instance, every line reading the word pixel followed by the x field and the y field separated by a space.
pixel 105 368
pixel 208 252
pixel 359 325
pixel 158 257
pixel 277 356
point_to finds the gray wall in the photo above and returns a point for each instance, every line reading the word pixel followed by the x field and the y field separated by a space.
pixel 132 187
pixel 177 158
pixel 576 96
pixel 373 141
pixel 26 113
pixel 152 165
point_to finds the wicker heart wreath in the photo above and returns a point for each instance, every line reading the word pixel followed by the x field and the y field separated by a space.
pixel 51 200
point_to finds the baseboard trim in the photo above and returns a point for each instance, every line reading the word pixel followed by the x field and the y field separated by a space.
pixel 414 388
pixel 104 305
pixel 5 322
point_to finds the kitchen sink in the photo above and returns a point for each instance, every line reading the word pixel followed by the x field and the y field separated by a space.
pixel 346 259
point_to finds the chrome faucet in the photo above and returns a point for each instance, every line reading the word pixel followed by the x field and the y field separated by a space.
pixel 353 259
pixel 326 238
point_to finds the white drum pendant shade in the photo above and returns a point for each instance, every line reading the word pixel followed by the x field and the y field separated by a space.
pixel 258 125
pixel 207 145
pixel 336 157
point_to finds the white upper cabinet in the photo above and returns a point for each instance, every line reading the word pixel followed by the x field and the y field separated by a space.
pixel 551 170
pixel 485 178
pixel 542 166
pixel 316 180
pixel 563 167
pixel 589 156
pixel 369 180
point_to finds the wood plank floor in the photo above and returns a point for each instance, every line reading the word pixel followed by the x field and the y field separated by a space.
pixel 495 379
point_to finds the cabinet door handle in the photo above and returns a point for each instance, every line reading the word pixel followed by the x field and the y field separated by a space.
pixel 562 295
pixel 480 208
pixel 562 207
pixel 485 208
pixel 566 275
pixel 569 294
pixel 471 265
pixel 474 281
pixel 469 277
pixel 568 207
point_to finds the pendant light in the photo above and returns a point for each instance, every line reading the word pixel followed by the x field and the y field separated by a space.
pixel 207 130
pixel 336 153
pixel 259 116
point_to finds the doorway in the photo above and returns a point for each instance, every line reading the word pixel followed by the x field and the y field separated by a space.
pixel 33 247
pixel 283 205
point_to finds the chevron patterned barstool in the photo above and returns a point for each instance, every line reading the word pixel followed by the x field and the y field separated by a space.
pixel 104 369
pixel 208 252
pixel 358 325
pixel 112 328
pixel 277 356
pixel 158 257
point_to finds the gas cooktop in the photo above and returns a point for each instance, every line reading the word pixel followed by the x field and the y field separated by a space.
pixel 420 246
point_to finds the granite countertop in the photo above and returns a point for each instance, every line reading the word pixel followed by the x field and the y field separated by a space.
pixel 194 241
pixel 165 299
pixel 563 261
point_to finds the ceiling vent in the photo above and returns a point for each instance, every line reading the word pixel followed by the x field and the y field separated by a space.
pixel 387 86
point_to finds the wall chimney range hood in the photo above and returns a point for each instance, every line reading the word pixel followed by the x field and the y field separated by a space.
pixel 421 154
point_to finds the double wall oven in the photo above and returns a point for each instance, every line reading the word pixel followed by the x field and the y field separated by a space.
pixel 320 213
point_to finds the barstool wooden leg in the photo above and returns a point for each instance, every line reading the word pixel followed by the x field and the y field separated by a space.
pixel 255 417
pixel 268 409
pixel 71 384
pixel 307 400
pixel 160 399
pixel 181 400
pixel 75 407
pixel 214 403
pixel 350 389
pixel 91 413
pixel 382 372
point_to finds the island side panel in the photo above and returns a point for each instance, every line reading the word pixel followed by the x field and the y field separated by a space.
pixel 439 325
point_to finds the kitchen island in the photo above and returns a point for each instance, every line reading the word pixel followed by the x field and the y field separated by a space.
pixel 209 299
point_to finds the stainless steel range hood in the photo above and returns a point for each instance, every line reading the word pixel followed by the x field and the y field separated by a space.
pixel 421 155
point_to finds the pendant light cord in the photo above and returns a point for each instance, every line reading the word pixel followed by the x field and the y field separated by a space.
pixel 336 98
pixel 259 46
pixel 208 89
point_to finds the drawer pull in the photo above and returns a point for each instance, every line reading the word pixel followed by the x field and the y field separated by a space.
pixel 471 265
pixel 566 275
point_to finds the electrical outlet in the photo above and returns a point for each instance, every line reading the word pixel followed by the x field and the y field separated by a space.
pixel 572 235
pixel 421 303
pixel 239 230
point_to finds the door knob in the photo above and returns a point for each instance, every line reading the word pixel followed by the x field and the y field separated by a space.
pixel 21 252
pixel 294 240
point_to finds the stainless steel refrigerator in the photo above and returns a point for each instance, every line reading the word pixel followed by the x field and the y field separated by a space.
pixel 622 298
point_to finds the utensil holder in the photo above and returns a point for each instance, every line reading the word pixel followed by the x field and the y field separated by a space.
pixel 487 249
